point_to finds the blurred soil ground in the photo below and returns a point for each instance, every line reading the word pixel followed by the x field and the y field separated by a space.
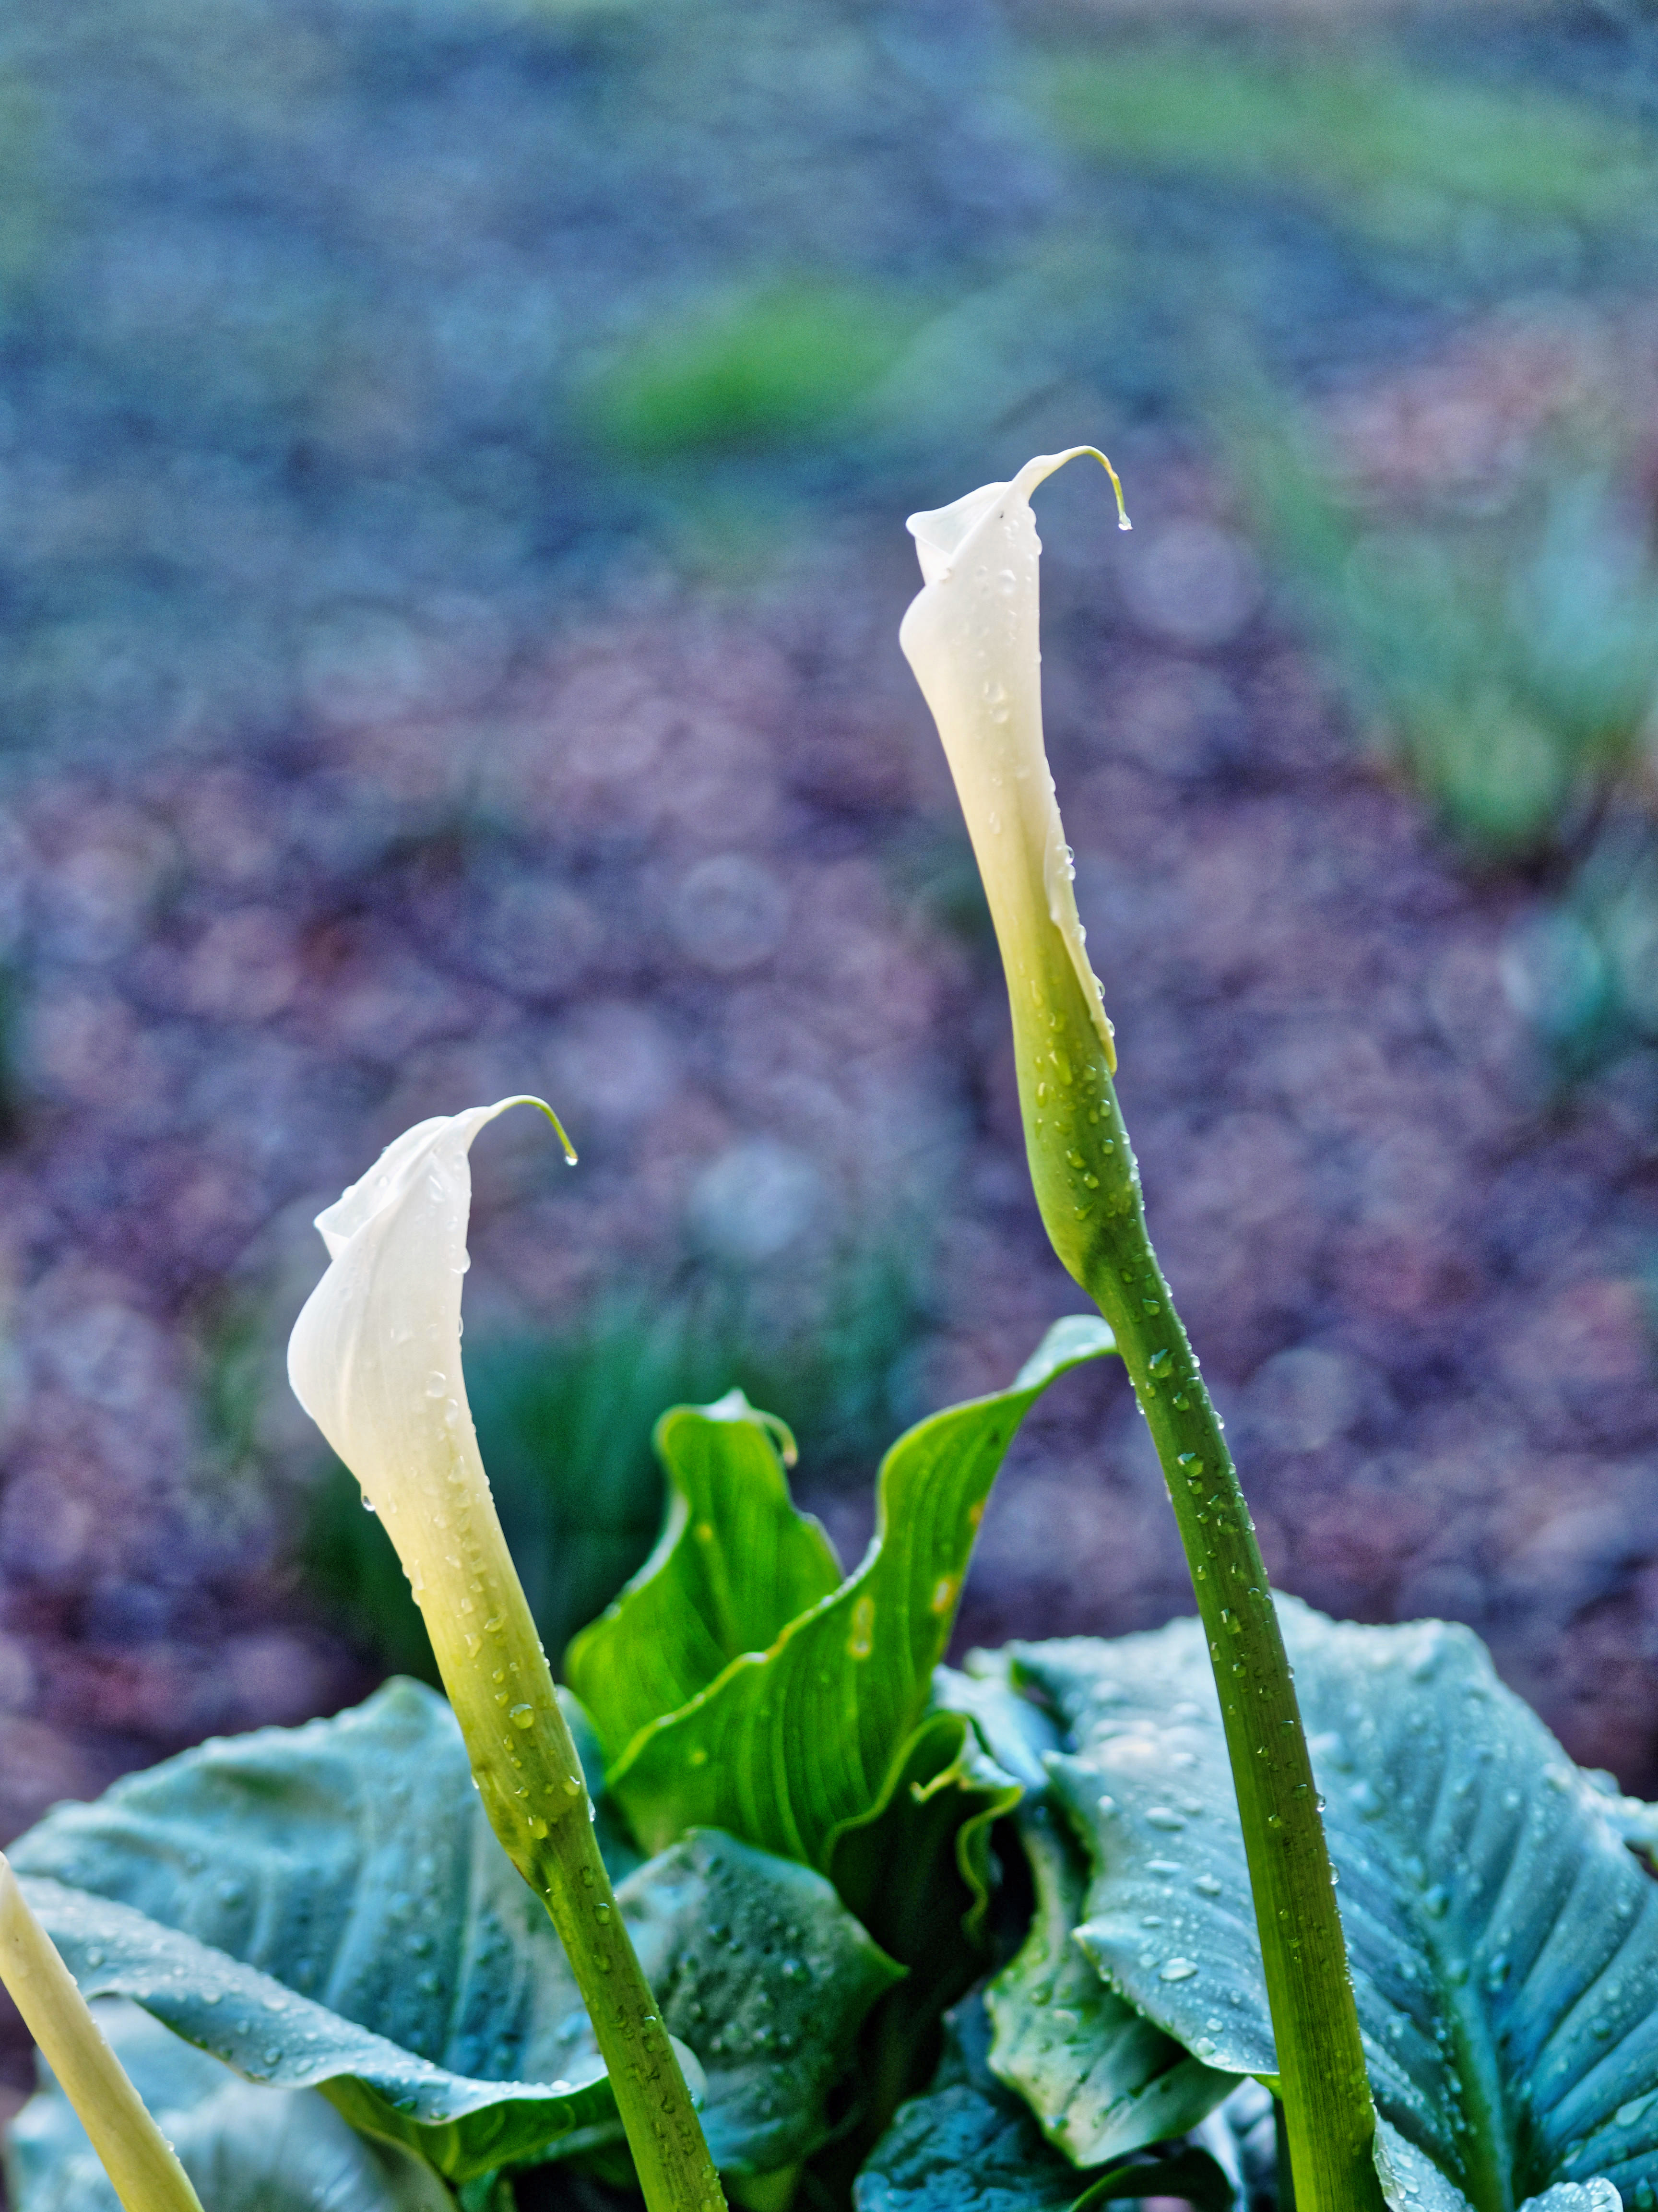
pixel 660 874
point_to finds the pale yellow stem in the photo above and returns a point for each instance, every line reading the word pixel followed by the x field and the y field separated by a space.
pixel 138 2157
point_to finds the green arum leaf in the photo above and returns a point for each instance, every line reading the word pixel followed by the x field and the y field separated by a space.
pixel 918 1872
pixel 791 1743
pixel 969 2145
pixel 326 1906
pixel 1017 1735
pixel 1503 1938
pixel 918 1864
pixel 1100 2078
pixel 245 2150
pixel 735 1563
pixel 766 1975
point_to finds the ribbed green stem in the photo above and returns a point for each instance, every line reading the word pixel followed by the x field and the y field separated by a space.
pixel 530 1778
pixel 1088 1186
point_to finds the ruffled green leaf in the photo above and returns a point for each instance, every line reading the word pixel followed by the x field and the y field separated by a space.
pixel 1015 1732
pixel 785 1746
pixel 734 1564
pixel 327 1907
pixel 1502 1937
pixel 917 1871
pixel 245 2150
pixel 1100 2078
pixel 917 1865
pixel 969 2145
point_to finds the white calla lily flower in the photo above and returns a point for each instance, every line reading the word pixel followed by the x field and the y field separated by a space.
pixel 972 636
pixel 375 1360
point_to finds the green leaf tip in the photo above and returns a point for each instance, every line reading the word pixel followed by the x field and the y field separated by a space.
pixel 735 1406
pixel 1074 1338
pixel 735 1563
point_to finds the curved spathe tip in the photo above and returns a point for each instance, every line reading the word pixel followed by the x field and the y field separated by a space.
pixel 1041 466
pixel 942 532
pixel 971 635
pixel 374 1356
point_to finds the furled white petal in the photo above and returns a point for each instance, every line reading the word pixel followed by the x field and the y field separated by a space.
pixel 374 1358
pixel 972 637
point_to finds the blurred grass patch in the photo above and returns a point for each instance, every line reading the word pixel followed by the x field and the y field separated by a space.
pixel 1400 155
pixel 930 866
pixel 1584 970
pixel 1507 656
pixel 1499 644
pixel 751 371
pixel 32 221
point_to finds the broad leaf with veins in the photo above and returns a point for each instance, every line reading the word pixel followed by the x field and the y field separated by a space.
pixel 1503 1938
pixel 327 1907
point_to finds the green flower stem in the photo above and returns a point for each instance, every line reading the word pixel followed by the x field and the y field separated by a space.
pixel 971 635
pixel 139 2161
pixel 1088 1189
pixel 530 1778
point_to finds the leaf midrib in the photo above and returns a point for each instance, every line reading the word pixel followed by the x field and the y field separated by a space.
pixel 1484 2147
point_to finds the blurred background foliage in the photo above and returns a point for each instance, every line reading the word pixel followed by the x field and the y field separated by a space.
pixel 352 342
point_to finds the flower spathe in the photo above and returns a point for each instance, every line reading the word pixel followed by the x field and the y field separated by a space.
pixel 374 1358
pixel 972 637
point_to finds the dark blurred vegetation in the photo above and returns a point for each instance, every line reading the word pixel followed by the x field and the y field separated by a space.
pixel 565 1428
pixel 784 363
pixel 1418 157
pixel 351 345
